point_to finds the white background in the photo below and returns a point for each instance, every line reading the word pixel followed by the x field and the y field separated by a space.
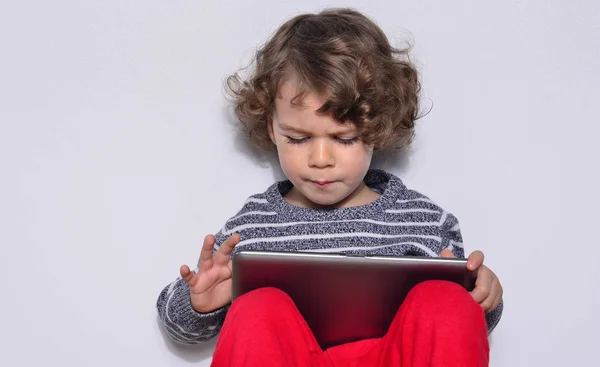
pixel 118 154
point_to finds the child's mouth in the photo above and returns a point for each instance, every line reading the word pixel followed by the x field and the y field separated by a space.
pixel 322 184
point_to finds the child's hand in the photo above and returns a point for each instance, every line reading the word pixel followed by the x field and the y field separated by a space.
pixel 210 288
pixel 488 290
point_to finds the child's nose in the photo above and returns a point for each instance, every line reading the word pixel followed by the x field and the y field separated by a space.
pixel 321 154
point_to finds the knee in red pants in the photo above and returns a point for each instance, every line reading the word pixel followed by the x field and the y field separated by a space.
pixel 439 324
pixel 264 328
pixel 263 301
pixel 443 300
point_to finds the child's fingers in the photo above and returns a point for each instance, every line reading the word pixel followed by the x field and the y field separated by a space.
pixel 224 252
pixel 189 276
pixel 488 302
pixel 483 285
pixel 206 254
pixel 446 253
pixel 479 294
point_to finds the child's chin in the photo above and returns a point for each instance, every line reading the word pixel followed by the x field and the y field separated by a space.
pixel 325 200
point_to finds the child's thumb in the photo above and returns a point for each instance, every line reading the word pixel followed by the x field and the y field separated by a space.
pixel 186 274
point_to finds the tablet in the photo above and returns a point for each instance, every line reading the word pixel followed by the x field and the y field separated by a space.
pixel 344 298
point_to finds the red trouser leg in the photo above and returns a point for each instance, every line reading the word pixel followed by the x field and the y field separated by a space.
pixel 438 325
pixel 264 328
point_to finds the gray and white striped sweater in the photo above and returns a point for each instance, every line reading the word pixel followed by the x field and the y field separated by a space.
pixel 400 222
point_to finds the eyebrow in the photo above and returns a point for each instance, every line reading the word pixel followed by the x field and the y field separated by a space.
pixel 285 127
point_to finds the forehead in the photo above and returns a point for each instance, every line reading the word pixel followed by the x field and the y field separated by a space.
pixel 302 113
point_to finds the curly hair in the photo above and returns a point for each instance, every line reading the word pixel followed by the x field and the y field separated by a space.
pixel 344 56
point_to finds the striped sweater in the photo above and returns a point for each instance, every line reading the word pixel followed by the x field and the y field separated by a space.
pixel 400 222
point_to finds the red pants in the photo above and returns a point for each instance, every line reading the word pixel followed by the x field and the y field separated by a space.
pixel 438 325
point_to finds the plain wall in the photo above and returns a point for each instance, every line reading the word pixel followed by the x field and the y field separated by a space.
pixel 118 154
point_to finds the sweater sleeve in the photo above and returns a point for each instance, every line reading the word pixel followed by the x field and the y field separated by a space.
pixel 182 323
pixel 452 240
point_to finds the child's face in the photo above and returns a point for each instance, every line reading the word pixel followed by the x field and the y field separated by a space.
pixel 322 158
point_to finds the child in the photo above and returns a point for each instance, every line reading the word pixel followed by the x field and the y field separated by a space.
pixel 327 91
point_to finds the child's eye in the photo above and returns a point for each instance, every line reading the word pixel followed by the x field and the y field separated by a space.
pixel 348 141
pixel 291 140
